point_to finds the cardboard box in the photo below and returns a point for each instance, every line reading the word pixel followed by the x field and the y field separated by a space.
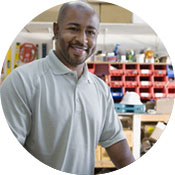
pixel 157 131
pixel 110 13
pixel 51 14
pixel 164 106
pixel 96 7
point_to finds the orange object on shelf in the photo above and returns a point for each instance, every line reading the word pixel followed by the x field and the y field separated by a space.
pixel 27 52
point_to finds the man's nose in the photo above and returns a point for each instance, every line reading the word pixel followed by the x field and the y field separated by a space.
pixel 82 38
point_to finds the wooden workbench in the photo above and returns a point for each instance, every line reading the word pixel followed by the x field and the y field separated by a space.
pixel 137 119
pixel 155 117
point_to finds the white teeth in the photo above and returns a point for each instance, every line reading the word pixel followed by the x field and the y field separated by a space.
pixel 84 48
pixel 79 49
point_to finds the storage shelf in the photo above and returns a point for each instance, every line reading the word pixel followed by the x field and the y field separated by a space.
pixel 149 80
pixel 155 118
pixel 119 28
pixel 136 138
pixel 105 62
pixel 127 28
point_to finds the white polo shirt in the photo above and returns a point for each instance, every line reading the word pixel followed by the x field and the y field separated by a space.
pixel 59 118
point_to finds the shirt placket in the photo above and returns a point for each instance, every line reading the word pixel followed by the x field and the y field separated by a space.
pixel 78 107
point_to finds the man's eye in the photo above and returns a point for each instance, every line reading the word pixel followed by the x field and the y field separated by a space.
pixel 92 33
pixel 73 29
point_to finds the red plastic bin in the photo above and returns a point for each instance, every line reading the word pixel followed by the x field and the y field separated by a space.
pixel 130 89
pixel 145 69
pixel 145 93
pixel 159 93
pixel 116 81
pixel 145 81
pixel 160 81
pixel 130 81
pixel 170 83
pixel 116 69
pixel 159 70
pixel 131 69
pixel 170 92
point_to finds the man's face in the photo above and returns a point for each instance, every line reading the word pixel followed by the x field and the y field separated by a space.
pixel 77 35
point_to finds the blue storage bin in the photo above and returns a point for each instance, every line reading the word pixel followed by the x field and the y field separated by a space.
pixel 170 72
pixel 117 93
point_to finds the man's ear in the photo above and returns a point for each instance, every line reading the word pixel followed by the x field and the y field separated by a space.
pixel 55 30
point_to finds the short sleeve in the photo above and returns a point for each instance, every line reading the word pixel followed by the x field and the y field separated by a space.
pixel 15 107
pixel 112 130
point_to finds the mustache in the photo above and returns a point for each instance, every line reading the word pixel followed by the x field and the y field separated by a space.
pixel 78 45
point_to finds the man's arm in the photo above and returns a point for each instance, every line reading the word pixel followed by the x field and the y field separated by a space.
pixel 15 106
pixel 120 154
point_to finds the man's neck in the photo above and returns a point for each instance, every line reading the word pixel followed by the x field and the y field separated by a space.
pixel 79 68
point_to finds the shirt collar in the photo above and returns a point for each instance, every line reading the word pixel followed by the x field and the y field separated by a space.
pixel 59 68
pixel 56 65
pixel 86 74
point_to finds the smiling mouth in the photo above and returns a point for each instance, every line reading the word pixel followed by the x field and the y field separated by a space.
pixel 79 50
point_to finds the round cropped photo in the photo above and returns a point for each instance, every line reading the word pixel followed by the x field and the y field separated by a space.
pixel 87 87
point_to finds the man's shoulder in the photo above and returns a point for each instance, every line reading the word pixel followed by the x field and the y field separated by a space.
pixel 32 69
pixel 28 74
pixel 23 77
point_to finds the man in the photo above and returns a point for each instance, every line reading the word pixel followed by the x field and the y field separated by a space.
pixel 58 110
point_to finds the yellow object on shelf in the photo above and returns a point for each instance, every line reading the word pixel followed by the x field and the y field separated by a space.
pixel 8 62
pixel 16 61
pixel 149 56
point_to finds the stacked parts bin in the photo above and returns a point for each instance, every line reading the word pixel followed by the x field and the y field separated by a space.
pixel 171 90
pixel 145 93
pixel 116 81
pixel 131 78
pixel 145 69
pixel 117 93
pixel 116 69
pixel 131 69
pixel 116 72
pixel 159 93
pixel 170 72
pixel 159 70
pixel 170 87
pixel 159 81
pixel 150 81
pixel 145 81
